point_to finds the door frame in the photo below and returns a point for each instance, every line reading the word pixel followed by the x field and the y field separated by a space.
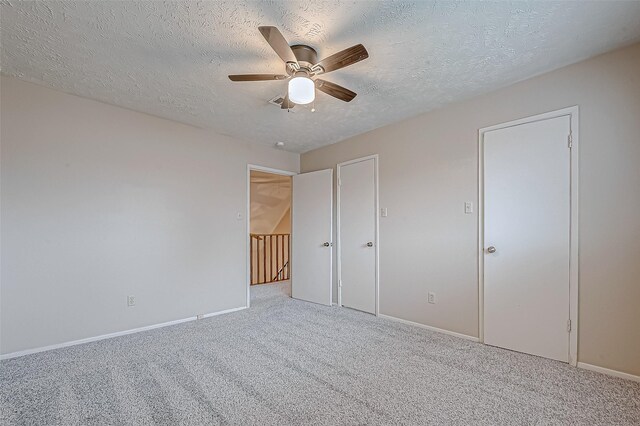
pixel 248 218
pixel 377 227
pixel 572 112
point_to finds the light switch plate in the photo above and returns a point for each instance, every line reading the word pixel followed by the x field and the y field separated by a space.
pixel 468 207
pixel 384 212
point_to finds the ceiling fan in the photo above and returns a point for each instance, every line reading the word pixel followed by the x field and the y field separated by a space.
pixel 301 64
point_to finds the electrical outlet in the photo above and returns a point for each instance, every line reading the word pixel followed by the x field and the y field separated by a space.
pixel 468 207
pixel 432 297
pixel 131 301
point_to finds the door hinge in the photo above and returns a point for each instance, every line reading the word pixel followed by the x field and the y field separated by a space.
pixel 570 140
pixel 568 326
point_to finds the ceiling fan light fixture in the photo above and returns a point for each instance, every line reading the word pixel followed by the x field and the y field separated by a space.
pixel 302 90
pixel 301 63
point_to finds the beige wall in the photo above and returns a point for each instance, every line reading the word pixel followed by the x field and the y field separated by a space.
pixel 284 227
pixel 270 200
pixel 99 202
pixel 428 169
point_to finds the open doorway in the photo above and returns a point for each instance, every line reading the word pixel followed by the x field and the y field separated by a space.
pixel 269 236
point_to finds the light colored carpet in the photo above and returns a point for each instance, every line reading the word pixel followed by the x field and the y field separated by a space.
pixel 286 362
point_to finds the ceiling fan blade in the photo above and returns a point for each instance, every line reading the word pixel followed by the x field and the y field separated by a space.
pixel 286 103
pixel 344 58
pixel 257 77
pixel 335 90
pixel 278 43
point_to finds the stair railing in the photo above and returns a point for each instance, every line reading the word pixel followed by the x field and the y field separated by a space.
pixel 270 255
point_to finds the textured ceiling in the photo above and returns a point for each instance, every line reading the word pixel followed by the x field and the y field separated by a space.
pixel 171 59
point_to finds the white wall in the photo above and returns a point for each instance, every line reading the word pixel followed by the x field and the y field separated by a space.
pixel 429 168
pixel 99 202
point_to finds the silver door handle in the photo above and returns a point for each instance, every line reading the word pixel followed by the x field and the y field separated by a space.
pixel 491 249
pixel 327 244
pixel 369 244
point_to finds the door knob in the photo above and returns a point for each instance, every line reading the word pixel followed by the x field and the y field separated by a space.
pixel 369 244
pixel 327 244
pixel 491 249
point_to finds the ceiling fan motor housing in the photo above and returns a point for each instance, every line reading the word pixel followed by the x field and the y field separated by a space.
pixel 306 55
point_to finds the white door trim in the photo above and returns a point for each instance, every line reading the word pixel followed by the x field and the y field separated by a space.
pixel 572 112
pixel 377 227
pixel 248 218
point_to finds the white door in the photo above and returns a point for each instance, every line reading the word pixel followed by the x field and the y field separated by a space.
pixel 526 237
pixel 357 218
pixel 311 232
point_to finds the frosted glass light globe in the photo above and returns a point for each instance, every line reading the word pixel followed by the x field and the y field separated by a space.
pixel 302 90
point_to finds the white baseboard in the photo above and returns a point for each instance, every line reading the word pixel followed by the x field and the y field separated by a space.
pixel 583 365
pixel 428 327
pixel 111 335
pixel 226 311
pixel 614 373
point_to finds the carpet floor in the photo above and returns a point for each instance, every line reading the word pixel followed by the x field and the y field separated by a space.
pixel 286 362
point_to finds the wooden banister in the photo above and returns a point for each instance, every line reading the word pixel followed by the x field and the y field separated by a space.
pixel 269 257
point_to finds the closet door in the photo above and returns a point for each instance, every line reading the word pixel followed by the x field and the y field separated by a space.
pixel 358 229
pixel 527 211
pixel 311 233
